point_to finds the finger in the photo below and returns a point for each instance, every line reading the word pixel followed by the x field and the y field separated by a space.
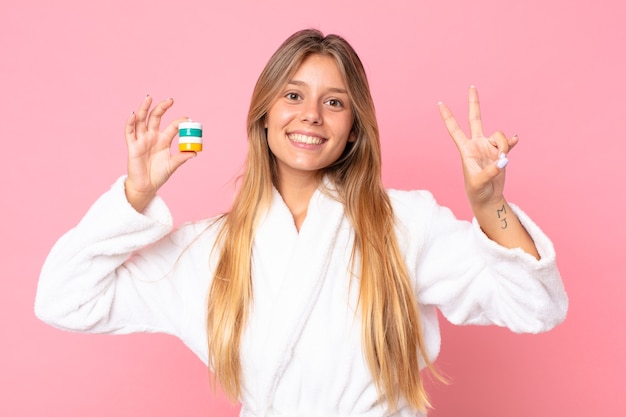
pixel 513 141
pixel 142 114
pixel 451 124
pixel 503 147
pixel 154 120
pixel 503 159
pixel 180 158
pixel 489 173
pixel 501 143
pixel 129 128
pixel 475 121
pixel 171 130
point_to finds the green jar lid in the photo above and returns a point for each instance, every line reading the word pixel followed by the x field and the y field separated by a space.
pixel 190 128
pixel 190 132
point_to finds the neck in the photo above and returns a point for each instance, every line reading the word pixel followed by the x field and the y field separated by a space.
pixel 296 191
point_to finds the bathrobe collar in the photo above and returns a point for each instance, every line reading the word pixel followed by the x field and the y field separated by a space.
pixel 300 277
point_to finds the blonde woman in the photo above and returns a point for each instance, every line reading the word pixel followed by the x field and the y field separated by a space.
pixel 317 293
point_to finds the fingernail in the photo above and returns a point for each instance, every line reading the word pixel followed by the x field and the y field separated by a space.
pixel 502 162
pixel 502 155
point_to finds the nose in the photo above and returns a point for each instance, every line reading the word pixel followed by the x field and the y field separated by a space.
pixel 311 113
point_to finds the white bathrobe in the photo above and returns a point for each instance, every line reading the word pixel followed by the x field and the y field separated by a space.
pixel 119 271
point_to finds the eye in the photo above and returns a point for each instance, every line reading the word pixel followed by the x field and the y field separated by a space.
pixel 333 102
pixel 292 96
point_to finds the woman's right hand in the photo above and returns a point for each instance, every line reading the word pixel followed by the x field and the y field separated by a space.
pixel 150 162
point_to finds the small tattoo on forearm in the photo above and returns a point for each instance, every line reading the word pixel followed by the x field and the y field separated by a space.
pixel 502 216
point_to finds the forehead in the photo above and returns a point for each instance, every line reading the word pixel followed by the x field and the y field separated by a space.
pixel 317 69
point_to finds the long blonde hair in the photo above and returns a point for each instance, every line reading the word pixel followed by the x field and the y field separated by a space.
pixel 391 331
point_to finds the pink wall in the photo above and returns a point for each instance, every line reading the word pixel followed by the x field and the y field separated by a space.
pixel 551 71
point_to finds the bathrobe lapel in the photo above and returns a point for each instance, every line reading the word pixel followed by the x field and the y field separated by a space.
pixel 287 304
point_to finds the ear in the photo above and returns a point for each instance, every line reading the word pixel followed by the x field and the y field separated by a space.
pixel 352 137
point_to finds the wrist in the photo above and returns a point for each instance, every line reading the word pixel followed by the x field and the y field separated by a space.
pixel 137 199
pixel 494 217
pixel 488 205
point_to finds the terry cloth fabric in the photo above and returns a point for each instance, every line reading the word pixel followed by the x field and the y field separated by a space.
pixel 119 271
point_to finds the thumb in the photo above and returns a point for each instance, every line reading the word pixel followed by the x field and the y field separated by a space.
pixel 180 158
pixel 480 180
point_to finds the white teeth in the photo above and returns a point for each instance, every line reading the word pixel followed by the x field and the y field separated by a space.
pixel 309 140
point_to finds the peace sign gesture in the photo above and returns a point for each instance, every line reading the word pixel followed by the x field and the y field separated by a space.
pixel 483 157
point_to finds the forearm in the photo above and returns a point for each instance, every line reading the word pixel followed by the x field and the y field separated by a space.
pixel 81 274
pixel 500 224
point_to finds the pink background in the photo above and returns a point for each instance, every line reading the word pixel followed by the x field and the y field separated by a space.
pixel 551 71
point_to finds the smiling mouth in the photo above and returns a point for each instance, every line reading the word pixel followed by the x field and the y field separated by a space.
pixel 307 140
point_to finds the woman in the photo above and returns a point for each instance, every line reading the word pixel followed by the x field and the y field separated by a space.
pixel 317 293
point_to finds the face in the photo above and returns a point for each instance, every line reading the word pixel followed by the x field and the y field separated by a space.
pixel 309 124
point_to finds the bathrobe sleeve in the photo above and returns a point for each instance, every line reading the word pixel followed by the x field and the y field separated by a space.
pixel 119 271
pixel 470 278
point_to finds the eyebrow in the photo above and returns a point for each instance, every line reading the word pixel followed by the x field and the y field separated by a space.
pixel 331 89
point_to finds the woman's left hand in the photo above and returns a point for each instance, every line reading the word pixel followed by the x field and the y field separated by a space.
pixel 483 157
